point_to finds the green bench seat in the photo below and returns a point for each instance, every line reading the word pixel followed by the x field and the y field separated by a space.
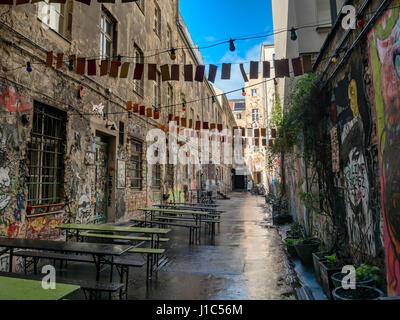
pixel 146 250
pixel 185 219
pixel 118 237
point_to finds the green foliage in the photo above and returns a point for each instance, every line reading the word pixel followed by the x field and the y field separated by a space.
pixel 366 272
pixel 296 230
pixel 331 260
pixel 291 120
pixel 291 242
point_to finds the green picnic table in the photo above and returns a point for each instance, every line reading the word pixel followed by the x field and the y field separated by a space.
pixel 23 289
pixel 153 232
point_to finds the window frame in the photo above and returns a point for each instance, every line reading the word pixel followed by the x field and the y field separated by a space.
pixel 138 85
pixel 106 16
pixel 62 13
pixel 136 165
pixel 157 20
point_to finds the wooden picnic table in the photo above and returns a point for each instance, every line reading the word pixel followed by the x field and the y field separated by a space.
pixel 154 232
pixel 23 289
pixel 193 204
pixel 180 207
pixel 97 250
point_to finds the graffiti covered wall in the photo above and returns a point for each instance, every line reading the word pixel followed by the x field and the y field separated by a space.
pixel 384 54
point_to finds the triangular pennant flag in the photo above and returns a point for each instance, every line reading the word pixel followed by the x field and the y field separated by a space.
pixel 114 69
pixel 199 76
pixel 129 105
pixel 175 72
pixel 84 1
pixel 136 108
pixel 80 66
pixel 49 59
pixel 226 71
pixel 138 73
pixel 91 65
pixel 124 70
pixel 244 75
pixel 103 67
pixel 60 57
pixel 142 110
pixel 282 68
pixel 212 73
pixel 188 72
pixel 253 69
pixel 307 64
pixel 297 67
pixel 152 72
pixel 165 72
pixel 266 69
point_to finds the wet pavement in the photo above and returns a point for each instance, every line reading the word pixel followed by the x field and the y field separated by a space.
pixel 246 260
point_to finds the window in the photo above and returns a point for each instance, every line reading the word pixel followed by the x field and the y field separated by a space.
pixel 156 176
pixel 45 153
pixel 52 14
pixel 140 4
pixel 239 116
pixel 138 86
pixel 254 92
pixel 254 115
pixel 157 20
pixel 169 38
pixel 136 164
pixel 107 35
pixel 327 11
pixel 157 90
pixel 121 133
pixel 170 95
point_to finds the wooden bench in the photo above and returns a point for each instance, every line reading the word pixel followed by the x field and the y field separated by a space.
pixel 154 262
pixel 93 288
pixel 122 265
pixel 207 221
pixel 193 229
pixel 119 237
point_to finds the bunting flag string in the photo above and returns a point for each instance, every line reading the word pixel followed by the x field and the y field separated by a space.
pixel 116 69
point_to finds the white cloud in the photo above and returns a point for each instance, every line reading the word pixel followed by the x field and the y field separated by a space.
pixel 236 81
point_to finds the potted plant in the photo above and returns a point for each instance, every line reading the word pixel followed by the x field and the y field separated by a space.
pixel 359 293
pixel 366 275
pixel 317 257
pixel 327 268
pixel 290 246
pixel 281 217
pixel 305 248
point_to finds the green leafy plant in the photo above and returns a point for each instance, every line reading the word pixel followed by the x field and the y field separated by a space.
pixel 365 272
pixel 296 230
pixel 332 260
pixel 291 242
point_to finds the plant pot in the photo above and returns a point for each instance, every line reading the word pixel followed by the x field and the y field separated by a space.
pixel 305 251
pixel 338 276
pixel 291 249
pixel 317 257
pixel 360 293
pixel 326 272
pixel 280 219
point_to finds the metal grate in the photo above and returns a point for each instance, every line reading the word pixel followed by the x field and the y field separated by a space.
pixel 45 153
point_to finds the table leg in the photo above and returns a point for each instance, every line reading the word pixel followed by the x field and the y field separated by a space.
pixel 10 265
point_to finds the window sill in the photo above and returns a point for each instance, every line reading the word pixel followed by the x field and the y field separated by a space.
pixel 56 32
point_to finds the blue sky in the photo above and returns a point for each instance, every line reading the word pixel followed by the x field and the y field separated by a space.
pixel 213 20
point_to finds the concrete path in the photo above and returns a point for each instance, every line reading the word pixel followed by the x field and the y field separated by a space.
pixel 245 261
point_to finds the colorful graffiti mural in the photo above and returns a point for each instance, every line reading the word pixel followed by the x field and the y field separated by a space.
pixel 384 54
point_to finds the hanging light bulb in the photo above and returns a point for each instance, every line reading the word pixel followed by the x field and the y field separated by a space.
pixel 28 67
pixel 119 60
pixel 232 45
pixel 293 35
pixel 81 117
pixel 360 22
pixel 213 99
pixel 243 92
pixel 334 58
pixel 129 115
pixel 172 54
pixel 183 107
pixel 71 65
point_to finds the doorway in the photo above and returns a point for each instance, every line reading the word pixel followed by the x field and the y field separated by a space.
pixel 101 179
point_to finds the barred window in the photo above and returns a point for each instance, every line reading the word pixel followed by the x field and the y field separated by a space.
pixel 45 153
pixel 156 173
pixel 136 164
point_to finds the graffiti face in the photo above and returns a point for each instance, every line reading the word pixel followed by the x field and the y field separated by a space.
pixel 4 185
pixel 84 210
pixel 384 49
pixel 357 180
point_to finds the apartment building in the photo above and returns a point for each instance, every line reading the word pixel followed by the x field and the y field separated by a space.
pixel 70 150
